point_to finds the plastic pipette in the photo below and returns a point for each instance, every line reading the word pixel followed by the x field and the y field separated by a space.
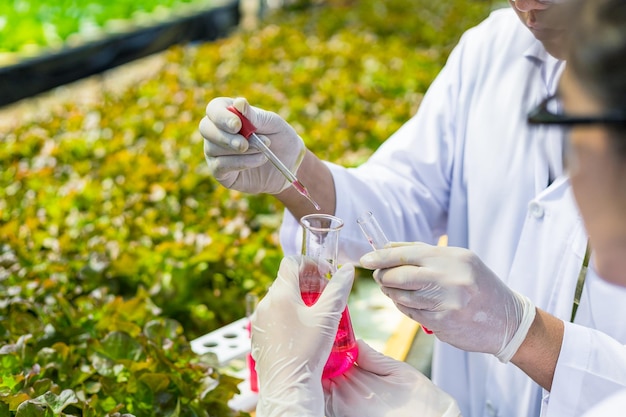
pixel 247 131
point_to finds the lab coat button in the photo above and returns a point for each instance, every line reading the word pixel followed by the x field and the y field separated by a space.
pixel 536 210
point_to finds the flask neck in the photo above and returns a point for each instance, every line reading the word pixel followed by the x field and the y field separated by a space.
pixel 320 240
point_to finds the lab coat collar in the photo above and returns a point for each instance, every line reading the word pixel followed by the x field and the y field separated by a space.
pixel 538 52
pixel 551 67
pixel 556 190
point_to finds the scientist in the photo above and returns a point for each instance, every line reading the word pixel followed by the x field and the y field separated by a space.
pixel 593 94
pixel 468 166
pixel 592 91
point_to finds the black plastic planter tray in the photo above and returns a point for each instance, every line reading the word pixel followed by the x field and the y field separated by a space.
pixel 42 73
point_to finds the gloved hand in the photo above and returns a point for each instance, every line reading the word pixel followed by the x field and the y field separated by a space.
pixel 239 167
pixel 381 386
pixel 451 292
pixel 291 342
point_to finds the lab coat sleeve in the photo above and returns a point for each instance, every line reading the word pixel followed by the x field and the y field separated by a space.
pixel 591 367
pixel 406 183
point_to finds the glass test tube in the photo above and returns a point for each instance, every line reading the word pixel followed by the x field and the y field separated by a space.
pixel 372 230
pixel 376 237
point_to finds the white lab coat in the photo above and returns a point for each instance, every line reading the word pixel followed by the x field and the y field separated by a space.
pixel 613 406
pixel 468 165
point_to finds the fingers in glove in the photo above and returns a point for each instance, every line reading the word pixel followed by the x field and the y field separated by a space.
pixel 431 297
pixel 217 113
pixel 287 282
pixel 224 166
pixel 392 369
pixel 263 120
pixel 214 150
pixel 220 138
pixel 425 318
pixel 373 361
pixel 405 268
pixel 415 253
pixel 335 296
pixel 405 277
pixel 284 291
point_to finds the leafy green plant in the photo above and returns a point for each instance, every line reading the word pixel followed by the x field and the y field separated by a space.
pixel 36 25
pixel 118 246
pixel 101 355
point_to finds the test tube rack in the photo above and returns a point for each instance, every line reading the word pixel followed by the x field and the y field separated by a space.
pixel 227 343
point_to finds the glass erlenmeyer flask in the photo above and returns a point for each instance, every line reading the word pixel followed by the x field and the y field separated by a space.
pixel 320 245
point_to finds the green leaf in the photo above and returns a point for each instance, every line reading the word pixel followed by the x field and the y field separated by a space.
pixel 56 403
pixel 156 382
pixel 120 346
pixel 31 409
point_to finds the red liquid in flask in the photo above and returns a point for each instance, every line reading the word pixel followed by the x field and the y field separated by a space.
pixel 320 245
pixel 254 382
pixel 345 351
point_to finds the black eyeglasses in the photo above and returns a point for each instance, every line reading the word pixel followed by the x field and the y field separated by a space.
pixel 543 115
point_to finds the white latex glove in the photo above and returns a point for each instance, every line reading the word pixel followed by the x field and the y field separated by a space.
pixel 381 386
pixel 291 342
pixel 239 167
pixel 451 292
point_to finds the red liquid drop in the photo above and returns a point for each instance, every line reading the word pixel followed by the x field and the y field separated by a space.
pixel 302 190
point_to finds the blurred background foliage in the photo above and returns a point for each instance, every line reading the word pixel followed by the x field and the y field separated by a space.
pixel 112 203
pixel 31 26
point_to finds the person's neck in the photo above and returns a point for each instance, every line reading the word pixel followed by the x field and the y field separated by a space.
pixel 610 261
